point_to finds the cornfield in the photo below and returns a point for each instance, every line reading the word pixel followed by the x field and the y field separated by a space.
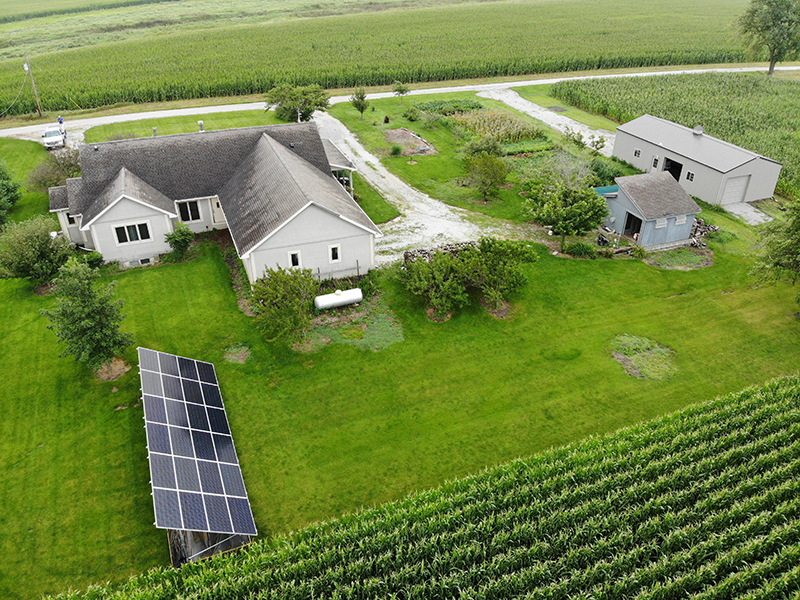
pixel 500 124
pixel 704 503
pixel 747 109
pixel 429 44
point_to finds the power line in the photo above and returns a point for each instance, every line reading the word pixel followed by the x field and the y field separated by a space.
pixel 17 98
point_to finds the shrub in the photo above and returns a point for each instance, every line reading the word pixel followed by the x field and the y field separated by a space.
pixel 487 173
pixel 396 150
pixel 179 239
pixel 606 171
pixel 94 259
pixel 489 145
pixel 54 170
pixel 639 252
pixel 28 250
pixel 412 113
pixel 9 193
pixel 606 252
pixel 581 250
pixel 282 300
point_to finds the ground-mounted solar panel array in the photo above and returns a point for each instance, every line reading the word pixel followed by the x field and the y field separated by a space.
pixel 194 470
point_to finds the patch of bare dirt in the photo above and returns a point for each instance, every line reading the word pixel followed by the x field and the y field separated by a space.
pixel 239 354
pixel 556 109
pixel 627 365
pixel 45 289
pixel 412 144
pixel 438 318
pixel 244 306
pixel 498 312
pixel 113 369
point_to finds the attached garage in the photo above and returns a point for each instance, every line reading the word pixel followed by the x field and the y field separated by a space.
pixel 706 167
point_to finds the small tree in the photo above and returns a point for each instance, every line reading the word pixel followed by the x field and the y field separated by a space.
pixel 28 250
pixel 86 319
pixel 400 89
pixel 497 269
pixel 486 172
pixel 774 25
pixel 9 192
pixel 359 101
pixel 780 257
pixel 568 211
pixel 179 239
pixel 297 103
pixel 282 301
pixel 55 169
pixel 441 282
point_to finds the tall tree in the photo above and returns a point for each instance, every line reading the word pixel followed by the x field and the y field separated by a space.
pixel 780 258
pixel 86 319
pixel 568 211
pixel 359 101
pixel 774 25
pixel 297 103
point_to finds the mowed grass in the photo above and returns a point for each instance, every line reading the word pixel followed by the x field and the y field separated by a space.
pixel 20 157
pixel 438 175
pixel 328 432
pixel 540 94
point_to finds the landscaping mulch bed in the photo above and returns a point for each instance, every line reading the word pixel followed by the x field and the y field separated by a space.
pixel 412 144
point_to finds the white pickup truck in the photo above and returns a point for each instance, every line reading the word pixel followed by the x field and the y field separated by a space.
pixel 55 136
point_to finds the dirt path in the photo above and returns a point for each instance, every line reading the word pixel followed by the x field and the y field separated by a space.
pixel 424 222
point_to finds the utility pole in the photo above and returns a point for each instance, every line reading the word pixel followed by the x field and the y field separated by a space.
pixel 35 94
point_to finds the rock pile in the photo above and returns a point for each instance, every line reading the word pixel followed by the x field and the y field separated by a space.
pixel 427 253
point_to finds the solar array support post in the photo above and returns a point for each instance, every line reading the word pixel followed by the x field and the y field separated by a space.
pixel 210 547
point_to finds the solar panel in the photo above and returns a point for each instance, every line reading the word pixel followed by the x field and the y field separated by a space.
pixel 194 471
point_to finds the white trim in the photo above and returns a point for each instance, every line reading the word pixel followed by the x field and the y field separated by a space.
pixel 661 223
pixel 332 260
pixel 95 240
pixel 299 264
pixel 115 202
pixel 680 220
pixel 135 224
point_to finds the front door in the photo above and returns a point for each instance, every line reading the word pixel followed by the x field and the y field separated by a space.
pixel 216 212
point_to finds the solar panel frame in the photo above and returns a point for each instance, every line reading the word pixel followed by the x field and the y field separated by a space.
pixel 196 479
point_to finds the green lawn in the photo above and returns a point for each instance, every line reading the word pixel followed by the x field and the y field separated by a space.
pixel 438 174
pixel 540 94
pixel 328 432
pixel 372 202
pixel 20 157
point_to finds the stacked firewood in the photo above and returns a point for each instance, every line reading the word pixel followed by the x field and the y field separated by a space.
pixel 427 253
pixel 701 228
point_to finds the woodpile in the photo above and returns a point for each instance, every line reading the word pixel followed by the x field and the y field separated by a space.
pixel 427 253
pixel 701 228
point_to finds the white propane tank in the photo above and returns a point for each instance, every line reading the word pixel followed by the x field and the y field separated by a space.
pixel 338 298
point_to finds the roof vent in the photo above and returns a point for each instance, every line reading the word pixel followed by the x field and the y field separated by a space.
pixel 291 145
pixel 698 130
pixel 96 148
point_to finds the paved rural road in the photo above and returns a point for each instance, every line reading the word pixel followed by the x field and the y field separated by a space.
pixel 424 221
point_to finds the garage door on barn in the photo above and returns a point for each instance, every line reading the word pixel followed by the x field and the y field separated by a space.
pixel 735 189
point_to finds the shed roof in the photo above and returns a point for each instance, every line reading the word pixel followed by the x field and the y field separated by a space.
pixel 657 195
pixel 702 148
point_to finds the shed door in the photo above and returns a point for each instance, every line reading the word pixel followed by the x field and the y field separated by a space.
pixel 735 189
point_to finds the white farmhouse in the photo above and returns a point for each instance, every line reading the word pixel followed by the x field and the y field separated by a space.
pixel 709 168
pixel 271 186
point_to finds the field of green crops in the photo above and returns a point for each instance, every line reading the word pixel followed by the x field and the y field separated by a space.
pixel 704 503
pixel 464 40
pixel 748 109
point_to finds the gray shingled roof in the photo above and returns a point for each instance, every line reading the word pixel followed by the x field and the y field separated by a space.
pixel 704 149
pixel 127 184
pixel 657 195
pixel 273 184
pixel 335 156
pixel 58 198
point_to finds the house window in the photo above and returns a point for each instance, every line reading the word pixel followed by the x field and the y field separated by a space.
pixel 680 219
pixel 70 219
pixel 655 162
pixel 189 211
pixel 335 253
pixel 294 259
pixel 661 223
pixel 132 233
pixel 689 176
pixel 637 153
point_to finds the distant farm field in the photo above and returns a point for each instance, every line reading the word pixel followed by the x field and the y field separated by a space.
pixel 426 44
pixel 748 109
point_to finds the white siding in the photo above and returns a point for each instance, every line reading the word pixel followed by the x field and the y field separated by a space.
pixel 128 212
pixel 311 233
